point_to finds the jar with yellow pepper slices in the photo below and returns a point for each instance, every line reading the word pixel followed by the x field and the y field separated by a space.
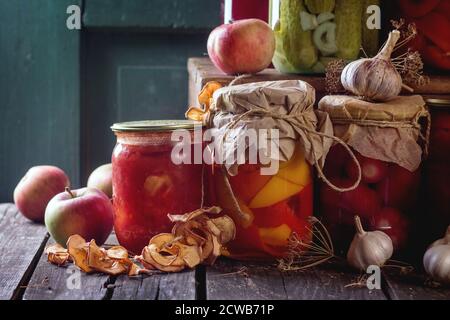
pixel 267 208
pixel 275 206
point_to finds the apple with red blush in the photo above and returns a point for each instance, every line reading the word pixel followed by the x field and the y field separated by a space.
pixel 39 185
pixel 101 178
pixel 392 222
pixel 243 46
pixel 87 212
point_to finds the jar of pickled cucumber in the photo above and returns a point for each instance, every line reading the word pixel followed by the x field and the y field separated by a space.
pixel 311 33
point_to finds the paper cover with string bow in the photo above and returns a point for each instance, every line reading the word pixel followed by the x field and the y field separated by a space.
pixel 286 105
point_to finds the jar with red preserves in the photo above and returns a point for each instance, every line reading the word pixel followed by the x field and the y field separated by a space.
pixel 437 172
pixel 385 139
pixel 149 182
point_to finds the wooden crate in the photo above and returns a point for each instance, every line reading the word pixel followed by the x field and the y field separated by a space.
pixel 201 70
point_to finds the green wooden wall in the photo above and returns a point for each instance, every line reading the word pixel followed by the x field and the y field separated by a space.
pixel 61 89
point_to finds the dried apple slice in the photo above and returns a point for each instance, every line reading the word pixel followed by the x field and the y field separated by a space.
pixel 215 252
pixel 190 255
pixel 227 228
pixel 194 214
pixel 99 261
pixel 148 254
pixel 117 252
pixel 57 254
pixel 78 251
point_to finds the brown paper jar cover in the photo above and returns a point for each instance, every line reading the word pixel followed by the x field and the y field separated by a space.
pixel 286 105
pixel 388 131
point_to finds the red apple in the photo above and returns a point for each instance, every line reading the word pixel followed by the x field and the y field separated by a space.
pixel 101 178
pixel 244 46
pixel 39 185
pixel 392 222
pixel 87 212
pixel 372 170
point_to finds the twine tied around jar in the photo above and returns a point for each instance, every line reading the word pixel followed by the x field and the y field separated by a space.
pixel 206 116
pixel 412 124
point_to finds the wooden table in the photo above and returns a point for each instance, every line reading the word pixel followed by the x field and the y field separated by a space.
pixel 26 274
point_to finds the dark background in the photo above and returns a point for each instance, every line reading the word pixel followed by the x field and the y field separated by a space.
pixel 61 89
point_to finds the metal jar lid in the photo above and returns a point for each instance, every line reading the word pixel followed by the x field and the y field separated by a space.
pixel 155 125
pixel 438 102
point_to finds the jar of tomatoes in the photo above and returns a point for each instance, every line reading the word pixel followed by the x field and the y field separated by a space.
pixel 261 176
pixel 437 167
pixel 385 137
pixel 150 181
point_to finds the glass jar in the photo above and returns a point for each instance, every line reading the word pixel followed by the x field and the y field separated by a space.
pixel 311 33
pixel 274 206
pixel 245 9
pixel 432 18
pixel 438 168
pixel 386 139
pixel 385 200
pixel 149 182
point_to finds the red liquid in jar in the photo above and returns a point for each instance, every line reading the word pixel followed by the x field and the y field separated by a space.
pixel 385 200
pixel 245 9
pixel 147 186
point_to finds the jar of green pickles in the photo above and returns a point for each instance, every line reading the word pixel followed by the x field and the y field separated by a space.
pixel 311 33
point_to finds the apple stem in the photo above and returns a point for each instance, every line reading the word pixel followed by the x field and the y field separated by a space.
pixel 359 227
pixel 70 192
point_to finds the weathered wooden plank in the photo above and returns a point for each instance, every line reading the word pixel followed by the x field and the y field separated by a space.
pixel 21 243
pixel 39 90
pixel 414 286
pixel 178 14
pixel 237 280
pixel 330 281
pixel 50 282
pixel 228 279
pixel 201 70
pixel 175 286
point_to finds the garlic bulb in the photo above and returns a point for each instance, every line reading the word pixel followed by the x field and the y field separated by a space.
pixel 436 260
pixel 369 248
pixel 374 78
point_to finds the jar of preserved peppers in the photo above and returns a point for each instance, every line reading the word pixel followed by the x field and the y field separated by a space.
pixel 311 33
pixel 149 183
pixel 386 139
pixel 437 175
pixel 268 195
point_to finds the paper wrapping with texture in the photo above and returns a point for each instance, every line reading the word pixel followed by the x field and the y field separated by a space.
pixel 284 105
pixel 386 131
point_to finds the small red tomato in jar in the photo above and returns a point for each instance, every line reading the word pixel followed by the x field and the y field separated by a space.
pixel 399 188
pixel 362 201
pixel 392 222
pixel 372 170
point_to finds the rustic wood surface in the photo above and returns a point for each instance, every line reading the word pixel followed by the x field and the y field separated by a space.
pixel 21 245
pixel 247 281
pixel 201 70
pixel 25 273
